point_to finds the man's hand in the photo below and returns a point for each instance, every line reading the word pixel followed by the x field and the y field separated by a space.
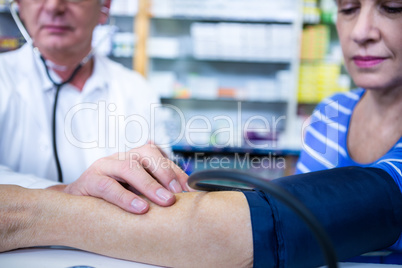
pixel 143 170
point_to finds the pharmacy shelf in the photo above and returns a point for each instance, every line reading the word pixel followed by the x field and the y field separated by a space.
pixel 226 10
pixel 242 150
pixel 221 99
pixel 239 60
pixel 201 48
pixel 279 19
pixel 225 103
pixel 10 36
pixel 122 15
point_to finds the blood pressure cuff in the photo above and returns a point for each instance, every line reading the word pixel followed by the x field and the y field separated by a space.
pixel 360 209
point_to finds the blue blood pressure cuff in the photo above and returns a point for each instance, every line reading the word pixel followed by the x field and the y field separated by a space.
pixel 360 209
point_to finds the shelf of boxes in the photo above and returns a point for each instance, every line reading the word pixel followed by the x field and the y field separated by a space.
pixel 208 56
pixel 234 10
pixel 10 37
pixel 321 58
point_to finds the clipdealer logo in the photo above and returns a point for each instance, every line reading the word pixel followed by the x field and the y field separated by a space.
pixel 111 127
pixel 117 130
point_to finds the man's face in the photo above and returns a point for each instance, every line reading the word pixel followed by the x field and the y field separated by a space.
pixel 370 33
pixel 60 26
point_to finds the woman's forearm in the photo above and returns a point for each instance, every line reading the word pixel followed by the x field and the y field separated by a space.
pixel 201 229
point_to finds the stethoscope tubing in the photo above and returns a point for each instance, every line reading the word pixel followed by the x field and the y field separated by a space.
pixel 58 86
pixel 56 97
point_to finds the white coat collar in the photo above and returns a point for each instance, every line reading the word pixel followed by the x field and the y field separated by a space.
pixel 98 80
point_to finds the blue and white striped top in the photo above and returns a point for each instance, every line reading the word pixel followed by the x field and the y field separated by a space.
pixel 325 147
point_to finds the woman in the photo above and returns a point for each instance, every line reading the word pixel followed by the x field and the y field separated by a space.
pixel 362 127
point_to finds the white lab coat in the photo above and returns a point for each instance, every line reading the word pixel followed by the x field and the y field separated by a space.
pixel 113 113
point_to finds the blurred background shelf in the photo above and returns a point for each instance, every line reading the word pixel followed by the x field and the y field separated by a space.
pixel 262 65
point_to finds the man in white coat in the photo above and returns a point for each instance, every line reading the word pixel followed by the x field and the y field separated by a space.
pixel 105 124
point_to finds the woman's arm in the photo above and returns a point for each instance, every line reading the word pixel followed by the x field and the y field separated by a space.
pixel 201 229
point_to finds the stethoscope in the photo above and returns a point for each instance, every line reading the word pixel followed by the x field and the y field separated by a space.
pixel 13 10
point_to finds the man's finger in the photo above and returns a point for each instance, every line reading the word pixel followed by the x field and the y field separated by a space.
pixel 140 179
pixel 182 177
pixel 161 168
pixel 113 192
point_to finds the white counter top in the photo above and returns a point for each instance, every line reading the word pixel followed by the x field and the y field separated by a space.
pixel 69 258
pixel 62 258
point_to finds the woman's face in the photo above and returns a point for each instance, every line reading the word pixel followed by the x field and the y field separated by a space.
pixel 370 32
